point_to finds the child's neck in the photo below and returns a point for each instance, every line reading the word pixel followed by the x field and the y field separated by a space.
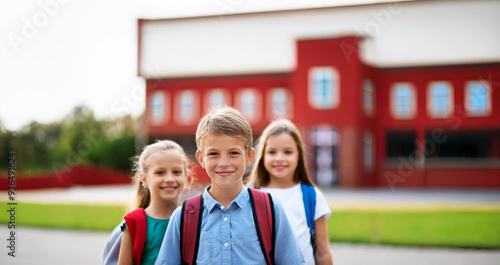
pixel 225 195
pixel 281 183
pixel 160 209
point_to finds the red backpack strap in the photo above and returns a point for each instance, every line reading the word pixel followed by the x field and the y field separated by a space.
pixel 191 214
pixel 263 216
pixel 137 226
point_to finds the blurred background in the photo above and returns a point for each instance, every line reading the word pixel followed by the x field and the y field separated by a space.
pixel 396 100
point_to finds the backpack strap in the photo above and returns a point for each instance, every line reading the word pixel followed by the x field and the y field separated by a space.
pixel 191 215
pixel 309 199
pixel 137 226
pixel 265 223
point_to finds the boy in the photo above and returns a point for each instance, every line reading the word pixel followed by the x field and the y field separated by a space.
pixel 228 234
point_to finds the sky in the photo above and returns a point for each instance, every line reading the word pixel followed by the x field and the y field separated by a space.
pixel 57 54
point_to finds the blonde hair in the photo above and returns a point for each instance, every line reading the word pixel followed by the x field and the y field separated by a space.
pixel 224 121
pixel 140 166
pixel 259 176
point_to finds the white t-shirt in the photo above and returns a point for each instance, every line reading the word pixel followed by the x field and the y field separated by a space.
pixel 292 202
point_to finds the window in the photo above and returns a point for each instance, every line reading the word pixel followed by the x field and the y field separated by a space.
pixel 323 88
pixel 216 98
pixel 187 107
pixel 248 102
pixel 368 151
pixel 478 144
pixel 157 107
pixel 403 101
pixel 440 103
pixel 477 98
pixel 279 103
pixel 400 144
pixel 368 97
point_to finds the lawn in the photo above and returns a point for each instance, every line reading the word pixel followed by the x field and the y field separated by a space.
pixel 74 216
pixel 449 228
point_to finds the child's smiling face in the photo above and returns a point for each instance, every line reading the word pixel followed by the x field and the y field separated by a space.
pixel 166 176
pixel 225 159
pixel 281 157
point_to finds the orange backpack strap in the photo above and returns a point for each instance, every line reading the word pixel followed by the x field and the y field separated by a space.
pixel 191 215
pixel 265 224
pixel 137 226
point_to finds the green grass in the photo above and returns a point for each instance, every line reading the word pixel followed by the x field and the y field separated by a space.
pixel 74 216
pixel 448 228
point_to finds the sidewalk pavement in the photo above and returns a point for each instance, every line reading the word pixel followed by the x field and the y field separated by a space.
pixel 76 247
pixel 338 198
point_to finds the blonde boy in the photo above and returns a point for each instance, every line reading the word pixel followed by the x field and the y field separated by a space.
pixel 228 234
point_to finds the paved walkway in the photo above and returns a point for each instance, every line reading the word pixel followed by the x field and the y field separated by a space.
pixel 62 247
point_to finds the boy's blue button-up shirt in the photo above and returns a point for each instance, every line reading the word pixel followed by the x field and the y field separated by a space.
pixel 228 235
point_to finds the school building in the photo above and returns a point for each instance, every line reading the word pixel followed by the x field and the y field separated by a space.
pixel 386 94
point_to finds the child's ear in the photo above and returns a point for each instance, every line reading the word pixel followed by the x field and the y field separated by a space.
pixel 251 157
pixel 144 180
pixel 199 157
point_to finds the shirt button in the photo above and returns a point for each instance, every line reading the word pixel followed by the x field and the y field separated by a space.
pixel 222 207
pixel 225 244
pixel 225 218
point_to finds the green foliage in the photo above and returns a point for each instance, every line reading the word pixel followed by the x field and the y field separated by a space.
pixel 32 145
pixel 451 228
pixel 79 138
pixel 115 153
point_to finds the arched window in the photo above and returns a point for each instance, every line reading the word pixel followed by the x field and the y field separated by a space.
pixel 248 102
pixel 403 101
pixel 279 103
pixel 477 98
pixel 216 98
pixel 324 88
pixel 187 107
pixel 368 97
pixel 157 107
pixel 440 99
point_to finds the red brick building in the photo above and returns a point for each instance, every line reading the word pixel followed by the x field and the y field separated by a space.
pixel 373 109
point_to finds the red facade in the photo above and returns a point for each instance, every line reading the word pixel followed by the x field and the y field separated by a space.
pixel 436 126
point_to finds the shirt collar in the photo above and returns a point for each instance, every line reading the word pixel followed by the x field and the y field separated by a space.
pixel 210 202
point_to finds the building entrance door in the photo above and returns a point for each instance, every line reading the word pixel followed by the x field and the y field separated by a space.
pixel 325 140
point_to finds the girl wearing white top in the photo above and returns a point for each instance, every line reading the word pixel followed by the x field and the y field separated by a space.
pixel 280 169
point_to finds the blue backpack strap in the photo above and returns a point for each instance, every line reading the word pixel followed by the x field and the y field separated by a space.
pixel 309 199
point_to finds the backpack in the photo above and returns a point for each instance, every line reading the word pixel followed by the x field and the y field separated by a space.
pixel 112 247
pixel 309 199
pixel 263 215
pixel 137 227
